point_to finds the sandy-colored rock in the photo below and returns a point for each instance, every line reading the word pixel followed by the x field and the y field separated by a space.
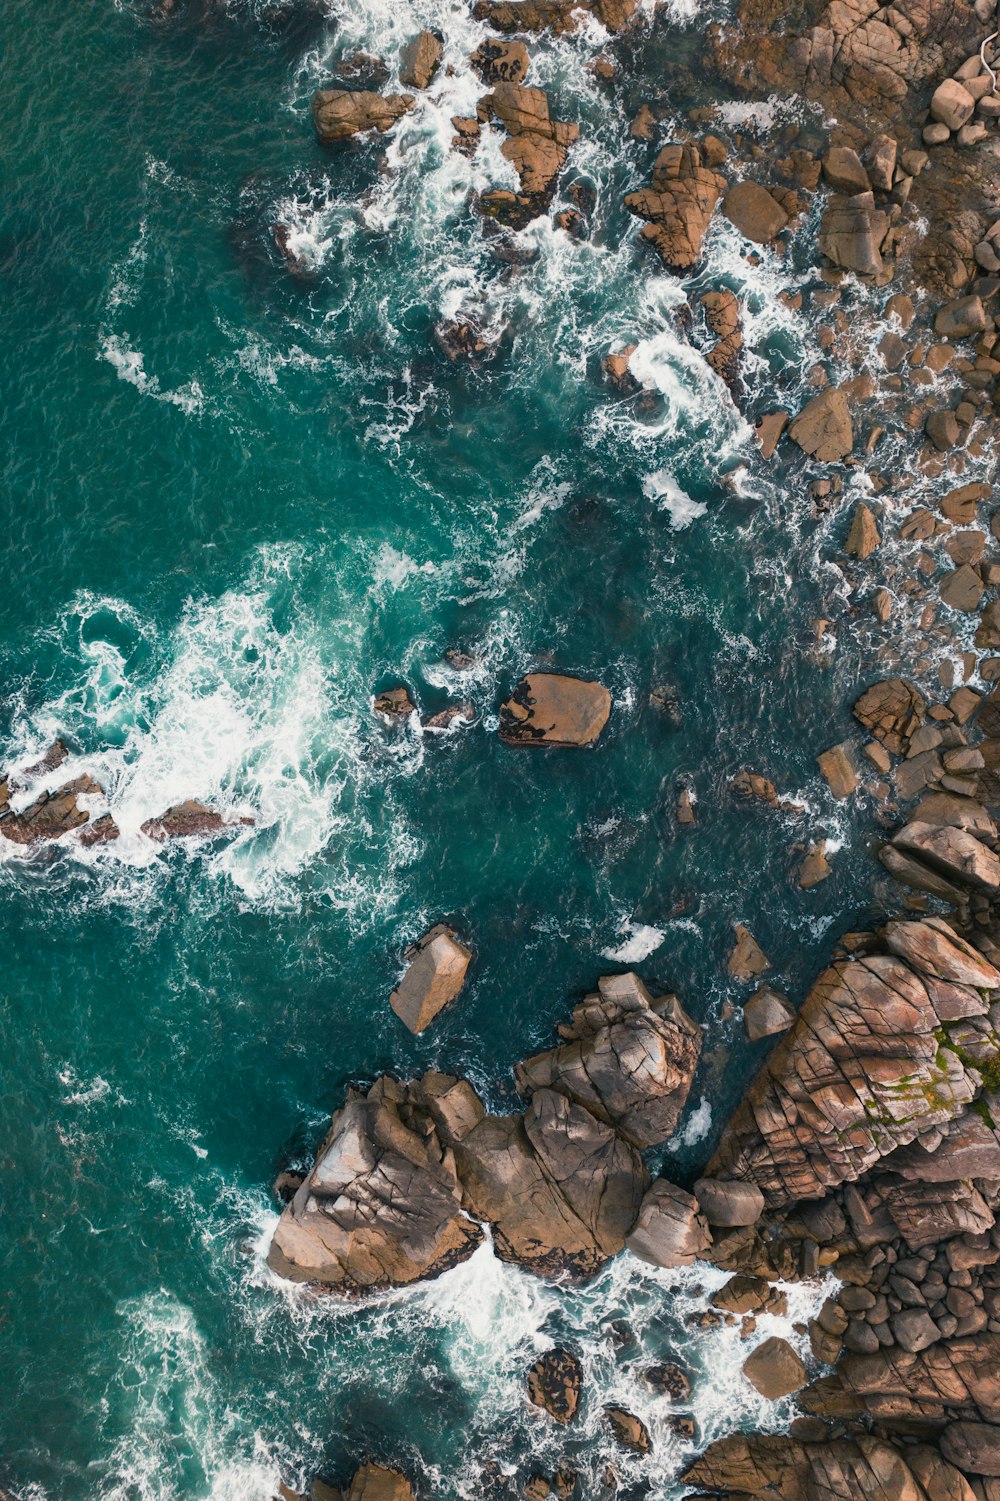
pixel 823 428
pixel 548 708
pixel 420 60
pixel 339 114
pixel 377 1483
pixel 729 1202
pixel 952 104
pixel 863 537
pixel 678 205
pixel 767 1013
pixel 628 1058
pixel 554 1384
pixel 630 1431
pixel 769 429
pixel 843 170
pixel 670 1229
pixel 435 974
pixel 501 62
pixel 747 959
pixel 775 1369
pixel 838 770
pixel 852 234
pixel 974 1448
pixel 892 711
pixel 754 211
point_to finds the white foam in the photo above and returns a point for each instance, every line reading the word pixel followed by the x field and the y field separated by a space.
pixel 641 941
pixel 129 364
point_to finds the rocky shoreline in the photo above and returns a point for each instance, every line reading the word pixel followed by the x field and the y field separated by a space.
pixel 867 1144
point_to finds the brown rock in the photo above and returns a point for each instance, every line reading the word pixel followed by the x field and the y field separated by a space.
pixel 52 815
pixel 754 211
pixel 435 975
pixel 747 959
pixel 767 1013
pixel 959 506
pixel 629 1430
pixel 951 104
pixel 670 1229
pixel 823 427
pixel 394 703
pixel 962 589
pixel 769 429
pixel 420 60
pixel 554 1383
pixel 852 233
pixel 668 1380
pixel 339 114
pixel 376 1483
pixel 863 537
pixel 973 1447
pixel 815 867
pixel 729 1202
pixel 892 711
pixel 548 708
pixel 843 171
pixel 189 820
pixel 629 1059
pixel 775 1369
pixel 678 205
pixel 961 318
pixel 837 768
pixel 501 62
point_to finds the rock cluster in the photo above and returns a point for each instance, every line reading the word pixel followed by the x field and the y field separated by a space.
pixel 409 1172
pixel 536 147
pixel 678 205
pixel 339 114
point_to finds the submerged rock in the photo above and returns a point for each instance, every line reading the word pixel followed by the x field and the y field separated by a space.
pixel 190 820
pixel 435 974
pixel 628 1058
pixel 549 708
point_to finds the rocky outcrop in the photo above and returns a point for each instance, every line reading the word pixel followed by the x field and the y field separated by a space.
pixel 722 314
pixel 754 211
pixel 52 815
pixel 509 16
pixel 554 1384
pixel 671 1229
pixel 852 234
pixel 191 820
pixel 339 114
pixel 775 1468
pixel 949 849
pixel 435 974
pixel 549 708
pixel 560 1188
pixel 382 1204
pixel 501 62
pixel 536 147
pixel 678 205
pixel 863 1070
pixel 420 60
pixel 823 428
pixel 892 711
pixel 629 1059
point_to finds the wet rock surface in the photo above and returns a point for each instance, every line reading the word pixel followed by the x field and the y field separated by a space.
pixel 548 708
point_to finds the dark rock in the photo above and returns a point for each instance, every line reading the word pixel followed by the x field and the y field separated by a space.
pixel 554 1383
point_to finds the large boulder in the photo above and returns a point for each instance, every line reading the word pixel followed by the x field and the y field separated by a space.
pixel 550 708
pixel 190 820
pixel 678 205
pixel 729 1202
pixel 671 1229
pixel 435 974
pixel 765 1467
pixel 628 1058
pixel 382 1204
pixel 775 1369
pixel 973 1447
pixel 754 211
pixel 560 1188
pixel 339 114
pixel 378 1483
pixel 536 147
pixel 861 1073
pixel 501 62
pixel 852 233
pixel 554 1384
pixel 823 428
pixel 420 60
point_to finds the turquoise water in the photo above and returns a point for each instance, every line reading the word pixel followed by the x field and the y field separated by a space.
pixel 235 504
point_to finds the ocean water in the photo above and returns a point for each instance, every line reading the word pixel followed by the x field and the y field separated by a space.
pixel 237 502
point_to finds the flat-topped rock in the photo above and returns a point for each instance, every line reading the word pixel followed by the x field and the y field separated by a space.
pixel 436 968
pixel 420 60
pixel 775 1369
pixel 823 428
pixel 550 708
pixel 628 1058
pixel 670 1229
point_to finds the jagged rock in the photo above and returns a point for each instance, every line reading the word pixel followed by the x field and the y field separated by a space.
pixel 722 313
pixel 102 830
pixel 853 232
pixel 747 959
pixel 554 1383
pixel 536 145
pixel 953 852
pixel 775 1369
pixel 501 62
pixel 560 1188
pixel 936 951
pixel 382 1204
pixel 754 211
pixel 730 1202
pixel 436 969
pixel 766 1467
pixel 844 172
pixel 766 1013
pixel 955 1378
pixel 52 815
pixel 678 205
pixel 629 1059
pixel 630 1431
pixel 749 787
pixel 548 708
pixel 339 114
pixel 892 712
pixel 815 867
pixel 394 703
pixel 465 340
pixel 670 1229
pixel 863 537
pixel 553 15
pixel 463 713
pixel 974 1448
pixel 420 60
pixel 837 768
pixel 769 429
pixel 190 820
pixel 970 1149
pixel 823 428
pixel 860 1073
